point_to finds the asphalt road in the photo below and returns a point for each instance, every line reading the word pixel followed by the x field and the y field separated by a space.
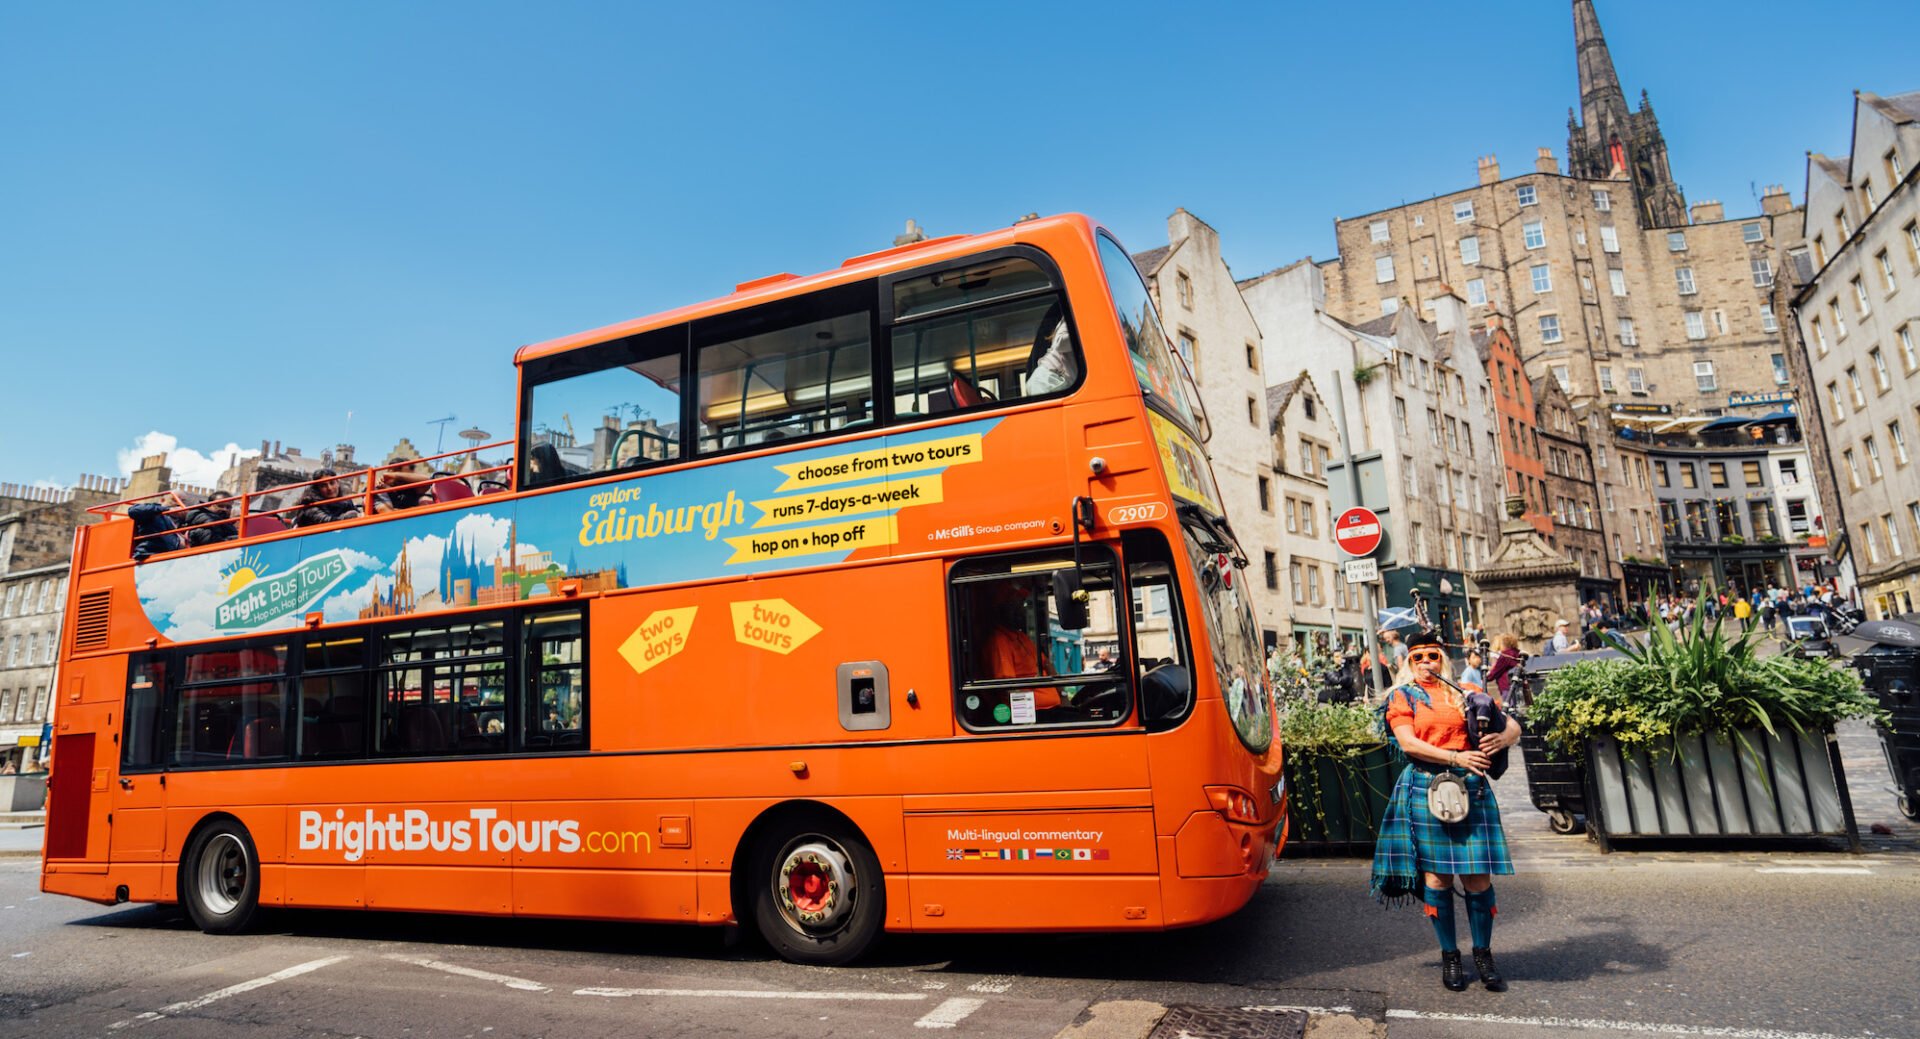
pixel 1718 945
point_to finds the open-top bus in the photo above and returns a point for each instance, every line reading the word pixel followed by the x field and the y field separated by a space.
pixel 898 597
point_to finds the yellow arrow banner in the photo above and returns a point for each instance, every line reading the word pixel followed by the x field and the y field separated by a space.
pixel 882 461
pixel 849 501
pixel 658 638
pixel 806 541
pixel 775 625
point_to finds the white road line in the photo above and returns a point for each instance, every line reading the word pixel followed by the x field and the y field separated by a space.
pixel 728 993
pixel 468 972
pixel 1597 1024
pixel 230 990
pixel 993 984
pixel 1308 1010
pixel 950 1013
pixel 1858 871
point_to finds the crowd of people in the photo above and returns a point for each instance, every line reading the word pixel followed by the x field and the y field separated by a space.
pixel 325 499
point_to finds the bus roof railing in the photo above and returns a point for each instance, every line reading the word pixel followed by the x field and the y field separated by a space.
pixel 372 483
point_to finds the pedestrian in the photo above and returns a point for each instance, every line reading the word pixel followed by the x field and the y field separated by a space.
pixel 1743 612
pixel 1506 657
pixel 1561 641
pixel 1473 675
pixel 1417 855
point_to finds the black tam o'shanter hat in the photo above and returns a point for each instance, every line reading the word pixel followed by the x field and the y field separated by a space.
pixel 1424 637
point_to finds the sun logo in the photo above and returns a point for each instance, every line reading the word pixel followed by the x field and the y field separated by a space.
pixel 242 571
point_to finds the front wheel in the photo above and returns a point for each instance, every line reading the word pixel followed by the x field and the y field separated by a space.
pixel 818 897
pixel 1559 820
pixel 1906 806
pixel 220 878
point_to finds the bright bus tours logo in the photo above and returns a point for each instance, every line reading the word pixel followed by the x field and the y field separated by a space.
pixel 482 830
pixel 254 599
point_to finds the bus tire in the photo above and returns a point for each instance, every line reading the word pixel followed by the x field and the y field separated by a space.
pixel 818 896
pixel 220 878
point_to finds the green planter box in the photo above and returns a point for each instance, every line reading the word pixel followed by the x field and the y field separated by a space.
pixel 1335 804
pixel 1717 787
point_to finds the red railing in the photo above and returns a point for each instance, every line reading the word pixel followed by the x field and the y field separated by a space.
pixel 378 487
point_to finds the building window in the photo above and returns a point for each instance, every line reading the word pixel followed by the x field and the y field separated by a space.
pixel 1609 239
pixel 1763 273
pixel 1907 356
pixel 1606 379
pixel 1189 351
pixel 1683 279
pixel 1602 199
pixel 1524 194
pixel 1382 269
pixel 1703 376
pixel 1477 291
pixel 1293 516
pixel 1185 287
pixel 1462 212
pixel 1853 383
pixel 1819 335
pixel 1470 250
pixel 1719 321
pixel 1377 231
pixel 1617 280
pixel 1898 439
pixel 1844 224
pixel 1873 543
pixel 1696 325
pixel 1839 409
pixel 1299 585
pixel 1750 474
pixel 1560 376
pixel 1306 457
pixel 1272 567
pixel 1789 471
pixel 1306 517
pixel 1750 232
pixel 1542 276
pixel 1253 358
pixel 1676 241
pixel 1779 369
pixel 1768 323
pixel 1717 474
pixel 1253 412
pixel 1549 328
pixel 1873 203
pixel 1860 297
pixel 1894 170
pixel 1881 377
pixel 1636 380
pixel 1893 534
pixel 1839 322
pixel 1853 468
pixel 1873 458
pixel 1534 234
pixel 1913 244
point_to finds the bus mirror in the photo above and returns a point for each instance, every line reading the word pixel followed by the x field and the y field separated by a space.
pixel 1069 600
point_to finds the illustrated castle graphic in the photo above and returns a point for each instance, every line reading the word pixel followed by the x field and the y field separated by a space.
pixel 466 580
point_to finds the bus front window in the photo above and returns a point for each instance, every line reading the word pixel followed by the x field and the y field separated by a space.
pixel 1231 633
pixel 607 407
pixel 1153 365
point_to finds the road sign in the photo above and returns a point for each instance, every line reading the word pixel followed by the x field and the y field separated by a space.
pixel 1360 571
pixel 1357 532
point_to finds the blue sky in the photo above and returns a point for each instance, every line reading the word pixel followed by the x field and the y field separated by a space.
pixel 225 223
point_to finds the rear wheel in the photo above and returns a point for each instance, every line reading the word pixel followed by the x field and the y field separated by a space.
pixel 818 896
pixel 1906 806
pixel 220 878
pixel 1560 820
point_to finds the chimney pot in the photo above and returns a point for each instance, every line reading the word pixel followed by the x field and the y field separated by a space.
pixel 1545 162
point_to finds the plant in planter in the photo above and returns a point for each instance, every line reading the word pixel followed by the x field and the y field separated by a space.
pixel 1732 539
pixel 1702 735
pixel 1340 771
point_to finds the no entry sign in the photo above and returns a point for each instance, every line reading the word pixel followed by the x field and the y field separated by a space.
pixel 1357 532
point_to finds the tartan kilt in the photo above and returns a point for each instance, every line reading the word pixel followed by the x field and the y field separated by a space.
pixel 1476 844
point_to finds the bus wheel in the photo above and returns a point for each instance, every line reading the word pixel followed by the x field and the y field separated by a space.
pixel 220 878
pixel 819 899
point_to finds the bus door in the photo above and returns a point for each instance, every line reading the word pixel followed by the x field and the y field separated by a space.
pixel 138 795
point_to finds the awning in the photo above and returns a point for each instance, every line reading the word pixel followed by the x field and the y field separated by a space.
pixel 1685 424
pixel 1779 416
pixel 1727 422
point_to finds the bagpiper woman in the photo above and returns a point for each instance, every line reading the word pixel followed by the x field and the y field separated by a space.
pixel 1417 855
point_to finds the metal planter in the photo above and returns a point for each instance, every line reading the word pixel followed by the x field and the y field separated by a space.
pixel 1335 804
pixel 1718 788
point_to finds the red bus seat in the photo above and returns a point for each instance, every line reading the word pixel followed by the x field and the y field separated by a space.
pixel 451 488
pixel 258 525
pixel 261 738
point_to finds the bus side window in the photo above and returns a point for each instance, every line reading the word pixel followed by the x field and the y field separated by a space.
pixel 606 407
pixel 554 702
pixel 785 370
pixel 993 331
pixel 1017 667
pixel 1164 660
pixel 232 706
pixel 146 687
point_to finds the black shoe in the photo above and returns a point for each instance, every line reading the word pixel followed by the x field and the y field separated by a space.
pixel 1489 974
pixel 1452 974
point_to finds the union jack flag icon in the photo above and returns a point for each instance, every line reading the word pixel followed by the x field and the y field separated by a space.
pixel 953 854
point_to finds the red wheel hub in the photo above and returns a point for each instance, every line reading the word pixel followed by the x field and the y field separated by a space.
pixel 808 886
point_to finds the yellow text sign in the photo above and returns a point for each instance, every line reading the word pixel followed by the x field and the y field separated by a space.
pixel 658 638
pixel 849 501
pixel 882 461
pixel 805 541
pixel 775 625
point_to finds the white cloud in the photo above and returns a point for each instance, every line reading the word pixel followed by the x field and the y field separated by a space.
pixel 189 466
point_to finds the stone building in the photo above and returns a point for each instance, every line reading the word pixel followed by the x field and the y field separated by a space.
pixel 1322 609
pixel 1573 497
pixel 1216 335
pixel 1526 476
pixel 1860 335
pixel 1737 509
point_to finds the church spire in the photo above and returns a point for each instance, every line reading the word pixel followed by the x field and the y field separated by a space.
pixel 1611 141
pixel 1601 99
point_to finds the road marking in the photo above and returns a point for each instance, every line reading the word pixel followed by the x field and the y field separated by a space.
pixel 1597 1024
pixel 950 1013
pixel 993 984
pixel 1857 871
pixel 468 972
pixel 230 990
pixel 20 955
pixel 729 993
pixel 1288 1007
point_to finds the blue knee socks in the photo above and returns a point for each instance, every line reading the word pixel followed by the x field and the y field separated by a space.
pixel 1480 913
pixel 1440 910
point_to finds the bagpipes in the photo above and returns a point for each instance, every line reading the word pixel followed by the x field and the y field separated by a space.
pixel 1482 714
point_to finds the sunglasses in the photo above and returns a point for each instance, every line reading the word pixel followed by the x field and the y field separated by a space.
pixel 1421 656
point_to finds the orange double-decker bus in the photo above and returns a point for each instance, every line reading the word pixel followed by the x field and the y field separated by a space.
pixel 898 597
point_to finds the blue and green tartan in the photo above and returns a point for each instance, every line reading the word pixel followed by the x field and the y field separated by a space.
pixel 1412 841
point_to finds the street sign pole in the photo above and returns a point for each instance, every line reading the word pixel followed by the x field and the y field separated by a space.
pixel 1371 618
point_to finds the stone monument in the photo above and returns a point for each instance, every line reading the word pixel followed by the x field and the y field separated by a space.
pixel 1526 586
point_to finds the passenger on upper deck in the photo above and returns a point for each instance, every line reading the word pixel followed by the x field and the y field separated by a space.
pixel 323 502
pixel 403 487
pixel 209 512
pixel 544 465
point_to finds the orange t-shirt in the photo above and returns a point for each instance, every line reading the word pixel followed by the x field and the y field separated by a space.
pixel 1011 654
pixel 1441 724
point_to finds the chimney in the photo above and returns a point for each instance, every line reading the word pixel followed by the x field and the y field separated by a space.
pixel 912 234
pixel 1776 200
pixel 1489 170
pixel 152 477
pixel 1449 312
pixel 1545 162
pixel 1707 211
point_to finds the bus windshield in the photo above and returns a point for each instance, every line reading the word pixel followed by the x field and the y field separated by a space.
pixel 1152 362
pixel 1231 633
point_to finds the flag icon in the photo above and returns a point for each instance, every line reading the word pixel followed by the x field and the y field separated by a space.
pixel 953 854
pixel 1100 854
pixel 1082 854
pixel 1025 854
pixel 1043 853
pixel 1062 854
pixel 971 853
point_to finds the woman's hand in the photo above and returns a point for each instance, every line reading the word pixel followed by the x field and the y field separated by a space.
pixel 1474 761
pixel 1494 741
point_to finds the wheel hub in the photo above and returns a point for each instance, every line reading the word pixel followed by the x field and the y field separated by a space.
pixel 813 885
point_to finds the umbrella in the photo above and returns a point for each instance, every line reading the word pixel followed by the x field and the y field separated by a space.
pixel 1399 617
pixel 1889 633
pixel 1722 423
